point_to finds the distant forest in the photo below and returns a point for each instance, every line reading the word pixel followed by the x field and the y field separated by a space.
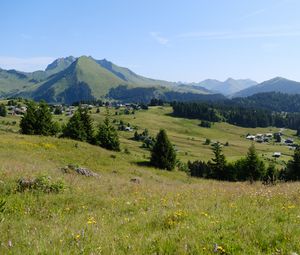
pixel 273 101
pixel 261 110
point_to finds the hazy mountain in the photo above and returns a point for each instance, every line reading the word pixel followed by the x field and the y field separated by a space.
pixel 12 81
pixel 277 84
pixel 227 87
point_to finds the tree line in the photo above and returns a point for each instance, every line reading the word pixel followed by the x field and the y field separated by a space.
pixel 235 114
pixel 249 168
pixel 273 101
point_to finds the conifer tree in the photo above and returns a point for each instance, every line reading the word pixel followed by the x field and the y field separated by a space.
pixel 255 168
pixel 3 111
pixel 107 136
pixel 218 164
pixel 27 123
pixel 75 128
pixel 163 154
pixel 293 167
pixel 38 120
pixel 87 124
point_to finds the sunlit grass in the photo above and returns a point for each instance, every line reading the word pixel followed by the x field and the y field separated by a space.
pixel 167 213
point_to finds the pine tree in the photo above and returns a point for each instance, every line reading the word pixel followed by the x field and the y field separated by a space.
pixel 218 164
pixel 87 124
pixel 107 136
pixel 27 123
pixel 3 111
pixel 293 167
pixel 75 128
pixel 163 154
pixel 38 120
pixel 80 126
pixel 255 168
pixel 44 124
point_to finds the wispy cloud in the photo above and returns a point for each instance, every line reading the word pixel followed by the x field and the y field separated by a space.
pixel 160 39
pixel 277 5
pixel 223 35
pixel 25 64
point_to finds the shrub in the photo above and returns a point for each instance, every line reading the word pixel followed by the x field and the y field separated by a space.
pixel 207 141
pixel 205 123
pixel 42 183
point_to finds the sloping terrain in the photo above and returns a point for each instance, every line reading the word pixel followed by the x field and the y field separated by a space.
pixel 132 208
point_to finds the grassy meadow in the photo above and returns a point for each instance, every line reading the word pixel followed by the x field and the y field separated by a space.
pixel 163 213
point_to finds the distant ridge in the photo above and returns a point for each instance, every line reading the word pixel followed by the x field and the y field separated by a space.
pixel 277 84
pixel 227 87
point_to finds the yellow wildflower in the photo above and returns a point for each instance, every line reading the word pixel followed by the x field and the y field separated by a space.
pixel 91 220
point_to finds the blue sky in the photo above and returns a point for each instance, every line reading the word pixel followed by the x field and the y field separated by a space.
pixel 175 40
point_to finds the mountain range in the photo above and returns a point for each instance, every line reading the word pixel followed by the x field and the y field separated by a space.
pixel 277 84
pixel 228 87
pixel 70 79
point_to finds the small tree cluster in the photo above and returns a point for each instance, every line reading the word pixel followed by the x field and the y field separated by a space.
pixel 80 126
pixel 38 120
pixel 148 141
pixel 249 168
pixel 163 154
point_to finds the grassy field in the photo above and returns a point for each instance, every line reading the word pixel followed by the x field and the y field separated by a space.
pixel 166 213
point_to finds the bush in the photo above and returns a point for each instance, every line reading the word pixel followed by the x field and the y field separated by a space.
pixel 205 123
pixel 182 166
pixel 42 183
pixel 207 141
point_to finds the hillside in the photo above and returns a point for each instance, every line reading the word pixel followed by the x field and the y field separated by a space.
pixel 273 101
pixel 164 212
pixel 227 87
pixel 12 81
pixel 277 84
pixel 84 79
pixel 129 76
